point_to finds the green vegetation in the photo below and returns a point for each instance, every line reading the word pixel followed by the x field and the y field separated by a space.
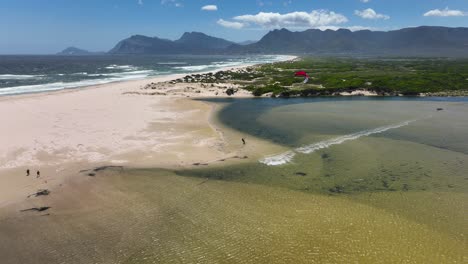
pixel 333 75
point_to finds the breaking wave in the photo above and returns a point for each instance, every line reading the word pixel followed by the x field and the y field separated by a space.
pixel 65 85
pixel 49 81
pixel 18 76
pixel 287 157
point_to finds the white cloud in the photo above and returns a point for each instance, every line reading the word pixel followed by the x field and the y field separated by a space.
pixel 445 13
pixel 369 13
pixel 315 18
pixel 209 8
pixel 365 1
pixel 230 24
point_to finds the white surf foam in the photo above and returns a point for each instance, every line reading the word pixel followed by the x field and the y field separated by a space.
pixel 121 67
pixel 172 63
pixel 279 159
pixel 287 157
pixel 339 140
pixel 127 72
pixel 193 68
pixel 17 76
pixel 65 85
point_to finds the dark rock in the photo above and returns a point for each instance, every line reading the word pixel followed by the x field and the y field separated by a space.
pixel 37 209
pixel 337 189
pixel 107 167
pixel 40 193
pixel 300 173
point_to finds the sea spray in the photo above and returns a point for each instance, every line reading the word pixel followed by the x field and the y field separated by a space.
pixel 287 157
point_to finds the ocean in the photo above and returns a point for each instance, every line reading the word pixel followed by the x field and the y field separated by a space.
pixel 21 74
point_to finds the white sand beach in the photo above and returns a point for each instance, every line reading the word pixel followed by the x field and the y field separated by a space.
pixel 61 133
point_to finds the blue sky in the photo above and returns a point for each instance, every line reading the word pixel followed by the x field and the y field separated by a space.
pixel 48 26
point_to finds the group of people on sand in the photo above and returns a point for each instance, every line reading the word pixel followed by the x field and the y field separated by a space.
pixel 38 173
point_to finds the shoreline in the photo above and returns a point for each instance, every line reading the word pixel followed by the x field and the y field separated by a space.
pixel 61 133
pixel 158 78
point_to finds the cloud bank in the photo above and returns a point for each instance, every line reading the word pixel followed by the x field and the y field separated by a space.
pixel 445 13
pixel 316 18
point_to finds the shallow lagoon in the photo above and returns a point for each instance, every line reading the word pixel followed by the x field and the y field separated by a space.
pixel 397 196
pixel 416 170
pixel 349 145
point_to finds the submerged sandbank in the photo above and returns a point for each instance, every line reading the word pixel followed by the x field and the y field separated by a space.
pixel 154 216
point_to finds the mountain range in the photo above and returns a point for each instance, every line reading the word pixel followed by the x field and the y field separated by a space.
pixel 417 41
pixel 189 43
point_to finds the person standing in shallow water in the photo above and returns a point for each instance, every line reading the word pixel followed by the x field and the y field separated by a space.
pixel 38 174
pixel 243 141
pixel 27 172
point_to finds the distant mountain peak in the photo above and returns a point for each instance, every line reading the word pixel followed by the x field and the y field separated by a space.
pixel 74 51
pixel 188 43
pixel 202 40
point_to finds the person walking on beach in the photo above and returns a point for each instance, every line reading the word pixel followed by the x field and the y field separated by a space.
pixel 38 174
pixel 243 141
pixel 27 172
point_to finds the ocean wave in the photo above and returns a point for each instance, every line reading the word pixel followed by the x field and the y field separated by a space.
pixel 120 67
pixel 287 157
pixel 172 63
pixel 18 76
pixel 194 68
pixel 114 73
pixel 64 85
